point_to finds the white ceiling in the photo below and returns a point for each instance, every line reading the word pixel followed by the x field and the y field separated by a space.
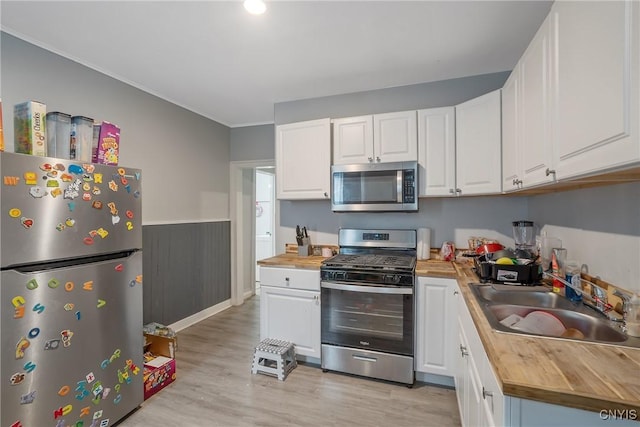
pixel 215 59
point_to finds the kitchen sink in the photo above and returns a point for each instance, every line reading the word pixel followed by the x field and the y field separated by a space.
pixel 522 296
pixel 498 304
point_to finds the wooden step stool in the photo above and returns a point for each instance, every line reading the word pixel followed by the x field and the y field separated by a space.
pixel 274 357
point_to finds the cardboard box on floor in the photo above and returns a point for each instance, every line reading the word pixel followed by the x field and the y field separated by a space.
pixel 161 371
pixel 161 346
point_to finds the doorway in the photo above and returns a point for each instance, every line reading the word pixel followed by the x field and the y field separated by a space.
pixel 265 218
pixel 246 227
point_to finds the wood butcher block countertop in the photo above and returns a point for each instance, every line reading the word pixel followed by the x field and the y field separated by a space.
pixel 581 375
pixel 570 373
pixel 293 261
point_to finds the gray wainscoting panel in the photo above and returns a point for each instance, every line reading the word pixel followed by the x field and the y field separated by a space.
pixel 186 267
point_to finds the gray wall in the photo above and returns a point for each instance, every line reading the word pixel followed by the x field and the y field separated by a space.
pixel 598 226
pixel 252 143
pixel 185 162
pixel 184 156
pixel 198 254
pixel 414 97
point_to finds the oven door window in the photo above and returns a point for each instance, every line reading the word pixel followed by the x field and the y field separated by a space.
pixel 368 320
pixel 371 187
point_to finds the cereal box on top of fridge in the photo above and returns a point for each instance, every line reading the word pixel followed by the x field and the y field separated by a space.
pixel 29 128
pixel 108 144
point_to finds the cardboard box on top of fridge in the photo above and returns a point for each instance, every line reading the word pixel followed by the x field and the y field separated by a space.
pixel 159 372
pixel 29 128
pixel 108 145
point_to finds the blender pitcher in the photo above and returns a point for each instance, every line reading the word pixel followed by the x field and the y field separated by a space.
pixel 524 234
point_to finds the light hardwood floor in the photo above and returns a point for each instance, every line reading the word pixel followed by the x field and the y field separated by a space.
pixel 215 387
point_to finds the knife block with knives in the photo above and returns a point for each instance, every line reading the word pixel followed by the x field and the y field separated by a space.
pixel 304 243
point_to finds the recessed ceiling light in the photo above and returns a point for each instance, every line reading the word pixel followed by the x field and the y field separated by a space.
pixel 255 7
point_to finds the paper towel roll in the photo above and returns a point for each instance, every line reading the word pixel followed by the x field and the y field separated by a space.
pixel 423 249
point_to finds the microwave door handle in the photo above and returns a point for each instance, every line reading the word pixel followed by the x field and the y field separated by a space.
pixel 399 186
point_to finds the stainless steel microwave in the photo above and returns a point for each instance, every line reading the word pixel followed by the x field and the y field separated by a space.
pixel 379 187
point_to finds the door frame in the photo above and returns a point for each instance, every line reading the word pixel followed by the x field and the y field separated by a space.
pixel 241 255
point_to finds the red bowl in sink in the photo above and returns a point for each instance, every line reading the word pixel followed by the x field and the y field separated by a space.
pixel 488 247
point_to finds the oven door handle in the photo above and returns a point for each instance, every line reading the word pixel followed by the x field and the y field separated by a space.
pixel 367 289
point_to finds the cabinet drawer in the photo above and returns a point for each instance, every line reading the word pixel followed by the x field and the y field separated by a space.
pixel 290 278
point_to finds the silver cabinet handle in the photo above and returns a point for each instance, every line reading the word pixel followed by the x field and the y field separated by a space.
pixel 286 279
pixel 451 191
pixel 486 393
pixel 549 172
pixel 370 159
pixel 456 292
pixel 377 159
pixel 458 191
pixel 326 194
pixel 463 351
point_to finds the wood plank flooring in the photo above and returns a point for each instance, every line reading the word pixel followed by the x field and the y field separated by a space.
pixel 215 387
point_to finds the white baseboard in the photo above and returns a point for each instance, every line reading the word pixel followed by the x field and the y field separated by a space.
pixel 248 294
pixel 200 316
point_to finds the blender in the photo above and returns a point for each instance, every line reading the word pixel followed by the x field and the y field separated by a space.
pixel 524 235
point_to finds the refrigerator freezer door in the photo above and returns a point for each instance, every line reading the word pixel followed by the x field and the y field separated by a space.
pixel 57 209
pixel 71 344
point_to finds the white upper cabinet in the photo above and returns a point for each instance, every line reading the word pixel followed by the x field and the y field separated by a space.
pixel 436 152
pixel 526 116
pixel 390 137
pixel 478 145
pixel 510 137
pixel 353 140
pixel 303 160
pixel 596 86
pixel 535 147
pixel 395 137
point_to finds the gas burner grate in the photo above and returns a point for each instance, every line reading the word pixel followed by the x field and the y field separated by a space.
pixel 373 261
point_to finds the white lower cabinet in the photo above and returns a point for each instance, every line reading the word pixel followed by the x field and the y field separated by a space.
pixel 435 326
pixel 290 308
pixel 482 403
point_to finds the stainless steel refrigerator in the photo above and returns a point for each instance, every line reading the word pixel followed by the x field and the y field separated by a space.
pixel 70 292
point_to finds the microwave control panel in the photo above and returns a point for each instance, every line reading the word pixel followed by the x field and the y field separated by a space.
pixel 409 184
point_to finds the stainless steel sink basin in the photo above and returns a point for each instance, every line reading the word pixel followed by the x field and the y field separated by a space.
pixel 498 304
pixel 522 296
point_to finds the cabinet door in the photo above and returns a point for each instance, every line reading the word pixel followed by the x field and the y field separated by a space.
pixel 395 137
pixel 435 330
pixel 461 374
pixel 353 140
pixel 535 148
pixel 291 315
pixel 493 399
pixel 510 134
pixel 303 160
pixel 597 61
pixel 478 145
pixel 436 152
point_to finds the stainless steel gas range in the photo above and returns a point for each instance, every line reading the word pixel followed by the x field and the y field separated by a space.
pixel 367 313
